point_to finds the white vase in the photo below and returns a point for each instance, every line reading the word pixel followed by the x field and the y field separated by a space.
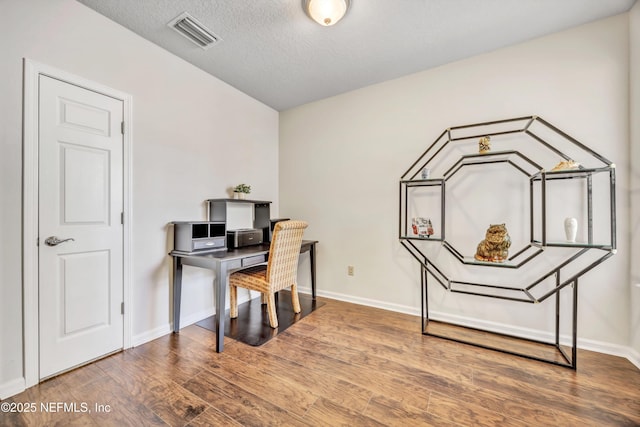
pixel 570 229
pixel 238 195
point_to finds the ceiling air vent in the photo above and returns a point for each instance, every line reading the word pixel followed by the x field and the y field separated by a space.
pixel 189 27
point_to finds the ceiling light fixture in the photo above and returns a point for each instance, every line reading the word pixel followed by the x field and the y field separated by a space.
pixel 325 12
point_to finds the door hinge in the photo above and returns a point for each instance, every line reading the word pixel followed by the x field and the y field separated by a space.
pixel 122 218
pixel 37 241
pixel 122 127
pixel 122 308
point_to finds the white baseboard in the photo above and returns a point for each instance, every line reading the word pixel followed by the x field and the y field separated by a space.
pixel 196 317
pixel 533 334
pixel 485 325
pixel 161 331
pixel 11 388
pixel 634 357
pixel 151 335
pixel 366 301
pixel 585 344
pixel 607 348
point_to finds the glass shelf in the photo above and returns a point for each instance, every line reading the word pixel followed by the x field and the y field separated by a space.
pixel 578 245
pixel 433 238
pixel 423 182
pixel 472 261
pixel 570 173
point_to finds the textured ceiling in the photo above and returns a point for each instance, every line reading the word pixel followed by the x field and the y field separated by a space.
pixel 273 52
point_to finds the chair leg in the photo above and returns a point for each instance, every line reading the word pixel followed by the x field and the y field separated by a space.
pixel 271 309
pixel 295 301
pixel 233 301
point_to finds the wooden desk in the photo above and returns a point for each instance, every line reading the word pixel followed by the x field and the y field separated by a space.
pixel 222 263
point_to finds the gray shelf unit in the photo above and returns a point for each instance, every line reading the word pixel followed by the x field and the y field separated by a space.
pixel 550 139
pixel 218 209
pixel 199 236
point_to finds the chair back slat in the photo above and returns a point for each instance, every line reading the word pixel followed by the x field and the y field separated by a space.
pixel 284 252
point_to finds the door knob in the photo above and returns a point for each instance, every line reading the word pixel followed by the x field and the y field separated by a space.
pixel 55 241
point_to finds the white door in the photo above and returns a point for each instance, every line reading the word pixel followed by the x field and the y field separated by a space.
pixel 80 198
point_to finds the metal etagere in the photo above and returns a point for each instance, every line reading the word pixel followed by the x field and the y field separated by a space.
pixel 451 154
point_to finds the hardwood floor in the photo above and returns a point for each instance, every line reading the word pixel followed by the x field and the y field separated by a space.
pixel 342 365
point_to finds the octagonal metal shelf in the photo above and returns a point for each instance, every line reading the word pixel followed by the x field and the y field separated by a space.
pixel 526 144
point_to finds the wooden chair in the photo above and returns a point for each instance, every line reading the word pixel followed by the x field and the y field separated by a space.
pixel 281 271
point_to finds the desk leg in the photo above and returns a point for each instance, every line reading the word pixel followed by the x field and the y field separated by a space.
pixel 312 261
pixel 177 291
pixel 220 289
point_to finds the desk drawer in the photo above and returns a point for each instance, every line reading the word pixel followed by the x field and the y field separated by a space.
pixel 235 264
pixel 211 243
pixel 253 260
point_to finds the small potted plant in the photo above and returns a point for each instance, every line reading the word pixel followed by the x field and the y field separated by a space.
pixel 240 191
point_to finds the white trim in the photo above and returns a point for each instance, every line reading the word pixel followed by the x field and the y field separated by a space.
pixel 533 334
pixel 500 328
pixel 32 71
pixel 634 357
pixel 151 335
pixel 127 252
pixel 30 224
pixel 196 317
pixel 161 331
pixel 585 344
pixel 11 388
pixel 365 301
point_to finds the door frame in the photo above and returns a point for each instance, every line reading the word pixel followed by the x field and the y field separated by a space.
pixel 32 72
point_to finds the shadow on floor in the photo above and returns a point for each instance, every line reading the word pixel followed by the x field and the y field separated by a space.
pixel 252 325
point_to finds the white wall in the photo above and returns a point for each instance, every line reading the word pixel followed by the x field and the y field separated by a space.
pixel 341 159
pixel 193 138
pixel 634 38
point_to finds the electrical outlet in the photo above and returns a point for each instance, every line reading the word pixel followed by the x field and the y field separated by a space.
pixel 350 270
